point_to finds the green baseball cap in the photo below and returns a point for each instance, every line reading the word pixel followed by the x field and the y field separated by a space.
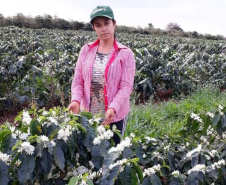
pixel 103 11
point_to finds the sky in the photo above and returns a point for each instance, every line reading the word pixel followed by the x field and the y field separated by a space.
pixel 203 16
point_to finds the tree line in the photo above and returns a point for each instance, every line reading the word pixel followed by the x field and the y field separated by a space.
pixel 49 22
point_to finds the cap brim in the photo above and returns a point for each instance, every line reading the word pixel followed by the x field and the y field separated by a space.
pixel 101 16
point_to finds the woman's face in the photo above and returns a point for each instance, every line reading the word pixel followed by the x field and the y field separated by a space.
pixel 104 28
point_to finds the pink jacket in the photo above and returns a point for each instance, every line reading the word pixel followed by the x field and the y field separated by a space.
pixel 119 78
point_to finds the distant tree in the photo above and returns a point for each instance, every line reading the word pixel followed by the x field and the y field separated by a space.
pixel 1 20
pixel 47 21
pixel 150 25
pixel 30 22
pixel 8 21
pixel 88 27
pixel 19 20
pixel 173 26
pixel 75 25
pixel 39 21
pixel 195 34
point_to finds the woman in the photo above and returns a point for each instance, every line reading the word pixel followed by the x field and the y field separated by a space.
pixel 104 74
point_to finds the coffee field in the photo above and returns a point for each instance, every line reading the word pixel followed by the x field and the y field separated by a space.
pixel 50 145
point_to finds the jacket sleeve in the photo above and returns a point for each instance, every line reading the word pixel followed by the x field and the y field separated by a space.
pixel 126 82
pixel 77 86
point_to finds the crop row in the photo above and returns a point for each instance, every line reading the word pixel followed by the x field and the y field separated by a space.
pixel 37 66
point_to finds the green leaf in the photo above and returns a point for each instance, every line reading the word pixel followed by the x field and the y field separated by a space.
pixel 36 128
pixel 26 169
pixel 134 177
pixel 155 179
pixel 89 137
pixel 171 159
pixel 110 179
pixel 7 144
pixel 108 160
pixel 216 119
pixel 87 114
pixel 104 147
pixel 193 179
pixel 89 182
pixel 3 134
pixel 175 181
pixel 96 157
pixel 46 161
pixel 138 171
pixel 59 157
pixel 18 143
pixel 127 175
pixel 74 180
pixel 223 123
pixel 4 177
pixel 127 153
pixel 146 181
pixel 55 132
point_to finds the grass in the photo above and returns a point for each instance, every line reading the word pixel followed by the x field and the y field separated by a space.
pixel 167 118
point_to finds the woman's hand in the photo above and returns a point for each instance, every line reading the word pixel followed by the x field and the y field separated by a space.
pixel 74 107
pixel 109 117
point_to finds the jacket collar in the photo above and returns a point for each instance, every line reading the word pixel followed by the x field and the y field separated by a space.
pixel 117 45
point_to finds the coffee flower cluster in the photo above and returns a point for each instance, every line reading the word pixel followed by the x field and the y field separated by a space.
pixel 26 119
pixel 119 162
pixel 150 171
pixel 65 132
pixel 4 157
pixel 102 134
pixel 198 168
pixel 196 117
pixel 27 147
pixel 121 146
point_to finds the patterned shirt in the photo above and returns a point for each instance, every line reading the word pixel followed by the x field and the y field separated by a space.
pixel 97 101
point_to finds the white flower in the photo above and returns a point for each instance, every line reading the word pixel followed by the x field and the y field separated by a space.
pixel 210 114
pixel 120 147
pixel 119 162
pixel 44 138
pixel 102 134
pixel 156 154
pixel 91 164
pixel 64 133
pixel 114 127
pixel 153 170
pixel 26 118
pixel 101 129
pixel 132 135
pixel 213 153
pixel 196 117
pixel 54 113
pixel 27 147
pixel 144 155
pixel 23 136
pixel 175 173
pixel 220 107
pixel 80 171
pixel 12 129
pixel 198 168
pixel 53 143
pixel 45 113
pixel 18 162
pixel 77 156
pixel 4 157
pixel 96 141
pixel 53 120
pixel 190 153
